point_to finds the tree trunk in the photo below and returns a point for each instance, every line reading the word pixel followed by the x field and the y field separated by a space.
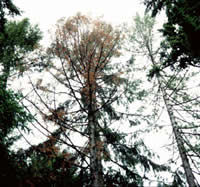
pixel 180 144
pixel 95 154
pixel 96 169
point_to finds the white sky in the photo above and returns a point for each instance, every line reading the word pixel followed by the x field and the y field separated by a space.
pixel 45 13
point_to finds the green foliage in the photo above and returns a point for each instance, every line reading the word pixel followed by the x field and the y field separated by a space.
pixel 111 136
pixel 16 39
pixel 22 35
pixel 7 8
pixel 182 29
pixel 41 167
pixel 131 156
pixel 19 39
pixel 12 115
pixel 141 34
pixel 116 178
pixel 155 71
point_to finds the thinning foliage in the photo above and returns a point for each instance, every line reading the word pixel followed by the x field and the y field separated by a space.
pixel 180 102
pixel 88 84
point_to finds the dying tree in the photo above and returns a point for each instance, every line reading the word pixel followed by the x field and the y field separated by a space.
pixel 89 98
pixel 85 48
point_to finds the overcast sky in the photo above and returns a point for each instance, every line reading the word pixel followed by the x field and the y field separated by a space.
pixel 47 12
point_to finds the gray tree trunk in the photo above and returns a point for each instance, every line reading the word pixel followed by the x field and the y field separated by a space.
pixel 96 168
pixel 95 154
pixel 180 144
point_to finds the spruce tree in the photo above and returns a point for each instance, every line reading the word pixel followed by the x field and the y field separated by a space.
pixel 87 99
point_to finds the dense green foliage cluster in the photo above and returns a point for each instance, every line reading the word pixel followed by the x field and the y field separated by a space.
pixel 16 39
pixel 181 30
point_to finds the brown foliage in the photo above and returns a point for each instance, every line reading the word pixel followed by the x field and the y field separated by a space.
pixel 85 46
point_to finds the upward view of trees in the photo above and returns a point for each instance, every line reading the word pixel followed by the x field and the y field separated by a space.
pixel 96 95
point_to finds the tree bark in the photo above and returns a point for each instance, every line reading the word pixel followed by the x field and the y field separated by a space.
pixel 95 154
pixel 180 144
pixel 96 169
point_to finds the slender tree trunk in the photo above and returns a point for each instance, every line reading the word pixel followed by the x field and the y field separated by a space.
pixel 96 168
pixel 95 155
pixel 180 144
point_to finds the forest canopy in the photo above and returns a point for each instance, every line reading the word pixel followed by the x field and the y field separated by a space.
pixel 107 105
